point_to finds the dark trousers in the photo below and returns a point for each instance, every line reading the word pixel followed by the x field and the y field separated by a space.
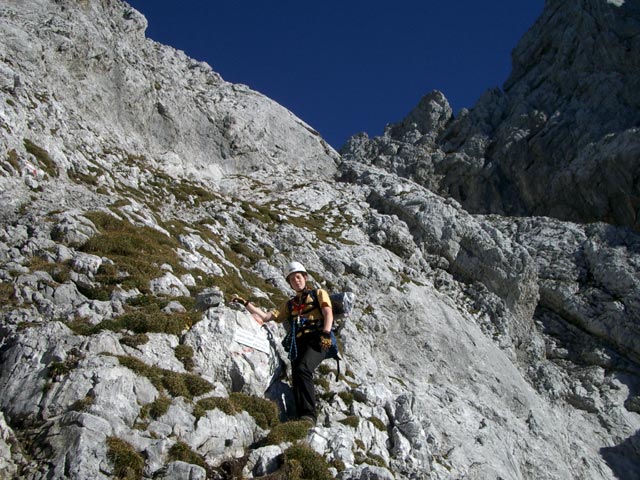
pixel 302 370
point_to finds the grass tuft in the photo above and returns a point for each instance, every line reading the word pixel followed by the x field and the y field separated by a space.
pixel 182 452
pixel 127 463
pixel 212 403
pixel 185 385
pixel 157 408
pixel 302 462
pixel 184 353
pixel 379 424
pixel 265 412
pixel 134 340
pixel 351 421
pixel 137 252
pixel 43 158
pixel 291 431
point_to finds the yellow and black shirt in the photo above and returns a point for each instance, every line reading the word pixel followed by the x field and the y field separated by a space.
pixel 304 311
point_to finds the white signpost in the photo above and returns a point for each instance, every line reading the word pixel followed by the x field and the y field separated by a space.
pixel 257 340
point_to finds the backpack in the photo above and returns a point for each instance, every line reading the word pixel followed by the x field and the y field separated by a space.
pixel 341 304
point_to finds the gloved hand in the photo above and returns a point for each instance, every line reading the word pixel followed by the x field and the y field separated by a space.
pixel 239 299
pixel 325 341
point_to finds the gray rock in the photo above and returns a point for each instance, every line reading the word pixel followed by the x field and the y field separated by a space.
pixel 183 471
pixel 208 298
pixel 367 472
pixel 169 285
pixel 86 263
pixel 481 346
pixel 8 450
pixel 73 229
pixel 262 461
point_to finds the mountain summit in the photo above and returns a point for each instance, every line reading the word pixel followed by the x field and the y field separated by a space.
pixel 494 257
pixel 562 137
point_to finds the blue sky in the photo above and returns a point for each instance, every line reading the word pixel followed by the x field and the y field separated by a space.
pixel 349 66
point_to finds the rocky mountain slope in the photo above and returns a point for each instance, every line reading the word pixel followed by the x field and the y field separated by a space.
pixel 139 190
pixel 561 139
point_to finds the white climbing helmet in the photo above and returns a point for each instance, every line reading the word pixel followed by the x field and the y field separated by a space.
pixel 293 267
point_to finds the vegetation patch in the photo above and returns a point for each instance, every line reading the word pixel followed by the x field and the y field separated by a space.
pixel 264 412
pixel 136 251
pixel 351 421
pixel 43 158
pixel 141 320
pixel 327 231
pixel 236 281
pixel 134 340
pixel 379 424
pixel 181 452
pixel 127 463
pixel 291 431
pixel 83 404
pixel 184 353
pixel 12 160
pixel 322 382
pixel 157 408
pixel 186 385
pixel 212 403
pixel 60 272
pixel 242 248
pixel 60 369
pixel 262 213
pixel 80 177
pixel 347 397
pixel 302 462
pixel 7 294
pixel 160 185
pixel 370 459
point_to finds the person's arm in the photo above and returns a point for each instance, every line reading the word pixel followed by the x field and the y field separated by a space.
pixel 327 325
pixel 327 314
pixel 260 315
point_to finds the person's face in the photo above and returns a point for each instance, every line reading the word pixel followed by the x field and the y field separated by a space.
pixel 298 281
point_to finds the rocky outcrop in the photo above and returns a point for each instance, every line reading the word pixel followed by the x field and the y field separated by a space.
pixel 113 103
pixel 561 139
pixel 140 191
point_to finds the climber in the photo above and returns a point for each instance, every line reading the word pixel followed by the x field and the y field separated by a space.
pixel 310 318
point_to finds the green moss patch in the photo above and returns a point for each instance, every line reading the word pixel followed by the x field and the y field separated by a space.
pixel 212 403
pixel 7 294
pixel 60 369
pixel 83 404
pixel 134 340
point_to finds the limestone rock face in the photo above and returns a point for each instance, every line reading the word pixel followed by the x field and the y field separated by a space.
pixel 88 73
pixel 140 191
pixel 560 139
